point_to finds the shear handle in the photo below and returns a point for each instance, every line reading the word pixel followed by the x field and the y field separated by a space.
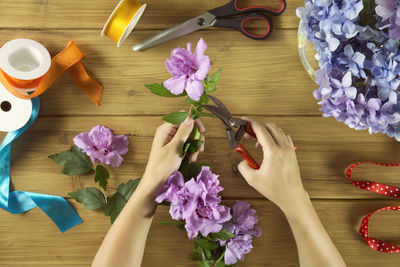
pixel 246 156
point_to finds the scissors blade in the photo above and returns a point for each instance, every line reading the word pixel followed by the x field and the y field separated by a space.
pixel 220 105
pixel 219 113
pixel 194 24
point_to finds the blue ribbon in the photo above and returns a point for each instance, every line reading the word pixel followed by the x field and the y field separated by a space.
pixel 57 208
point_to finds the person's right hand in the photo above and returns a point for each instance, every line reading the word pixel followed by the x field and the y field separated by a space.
pixel 278 178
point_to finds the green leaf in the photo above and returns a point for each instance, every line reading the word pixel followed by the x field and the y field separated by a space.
pixel 367 14
pixel 197 254
pixel 195 146
pixel 101 176
pixel 185 149
pixel 171 223
pixel 222 235
pixel 114 206
pixel 210 82
pixel 205 243
pixel 204 114
pixel 190 170
pixel 160 90
pixel 208 254
pixel 221 264
pixel 204 264
pixel 126 190
pixel 176 117
pixel 91 197
pixel 195 133
pixel 75 162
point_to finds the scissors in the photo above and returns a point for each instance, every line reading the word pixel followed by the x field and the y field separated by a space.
pixel 231 124
pixel 219 17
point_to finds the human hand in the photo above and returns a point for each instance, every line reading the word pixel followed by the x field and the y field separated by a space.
pixel 278 178
pixel 165 155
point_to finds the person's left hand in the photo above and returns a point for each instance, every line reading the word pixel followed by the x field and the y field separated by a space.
pixel 165 155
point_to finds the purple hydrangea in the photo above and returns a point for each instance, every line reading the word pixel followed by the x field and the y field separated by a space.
pixel 389 11
pixel 196 202
pixel 359 72
pixel 102 146
pixel 243 225
pixel 188 70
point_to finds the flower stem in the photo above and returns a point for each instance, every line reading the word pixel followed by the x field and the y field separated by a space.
pixel 203 255
pixel 221 257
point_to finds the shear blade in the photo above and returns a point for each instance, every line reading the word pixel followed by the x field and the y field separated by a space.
pixel 194 24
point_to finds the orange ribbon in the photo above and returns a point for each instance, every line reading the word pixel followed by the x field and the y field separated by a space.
pixel 67 60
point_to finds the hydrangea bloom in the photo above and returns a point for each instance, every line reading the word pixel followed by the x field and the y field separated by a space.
pixel 389 10
pixel 359 65
pixel 196 202
pixel 102 146
pixel 188 70
pixel 243 226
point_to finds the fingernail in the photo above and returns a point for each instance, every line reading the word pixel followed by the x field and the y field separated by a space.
pixel 189 120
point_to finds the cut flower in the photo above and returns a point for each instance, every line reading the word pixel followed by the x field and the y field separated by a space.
pixel 102 146
pixel 188 70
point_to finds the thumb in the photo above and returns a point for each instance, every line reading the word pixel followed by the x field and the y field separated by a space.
pixel 184 130
pixel 245 169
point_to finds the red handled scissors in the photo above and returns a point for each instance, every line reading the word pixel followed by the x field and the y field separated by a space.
pixel 227 16
pixel 235 129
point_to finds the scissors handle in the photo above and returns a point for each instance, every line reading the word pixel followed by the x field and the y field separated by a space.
pixel 246 156
pixel 239 24
pixel 232 9
pixel 249 130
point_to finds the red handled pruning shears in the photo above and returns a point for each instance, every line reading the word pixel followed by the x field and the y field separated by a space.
pixel 235 129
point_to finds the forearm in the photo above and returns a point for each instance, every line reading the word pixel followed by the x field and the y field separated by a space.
pixel 315 248
pixel 125 241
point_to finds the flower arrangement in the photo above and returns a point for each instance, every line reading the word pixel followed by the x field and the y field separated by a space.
pixel 357 48
pixel 222 235
pixel 98 147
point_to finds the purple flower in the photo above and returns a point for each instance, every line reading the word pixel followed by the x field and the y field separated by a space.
pixel 188 70
pixel 196 201
pixel 389 10
pixel 351 8
pixel 384 8
pixel 243 226
pixel 353 61
pixel 102 146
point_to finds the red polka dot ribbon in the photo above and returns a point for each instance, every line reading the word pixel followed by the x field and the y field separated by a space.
pixel 386 190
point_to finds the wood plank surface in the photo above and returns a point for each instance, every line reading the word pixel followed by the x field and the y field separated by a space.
pixel 33 240
pixel 258 81
pixel 264 79
pixel 76 14
pixel 322 157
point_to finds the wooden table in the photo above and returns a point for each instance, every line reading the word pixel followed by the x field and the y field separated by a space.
pixel 262 79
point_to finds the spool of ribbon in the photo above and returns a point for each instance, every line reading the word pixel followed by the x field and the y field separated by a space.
pixel 26 71
pixel 383 189
pixel 25 67
pixel 123 20
pixel 57 208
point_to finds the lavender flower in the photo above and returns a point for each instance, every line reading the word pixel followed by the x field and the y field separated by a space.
pixel 188 70
pixel 389 10
pixel 102 146
pixel 243 226
pixel 196 201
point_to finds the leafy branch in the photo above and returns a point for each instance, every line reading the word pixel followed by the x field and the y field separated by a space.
pixel 76 162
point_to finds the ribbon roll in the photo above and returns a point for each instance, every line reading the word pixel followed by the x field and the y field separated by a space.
pixel 382 189
pixel 14 112
pixel 22 58
pixel 122 20
pixel 57 208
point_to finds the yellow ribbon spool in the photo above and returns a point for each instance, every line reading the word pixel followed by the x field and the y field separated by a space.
pixel 122 20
